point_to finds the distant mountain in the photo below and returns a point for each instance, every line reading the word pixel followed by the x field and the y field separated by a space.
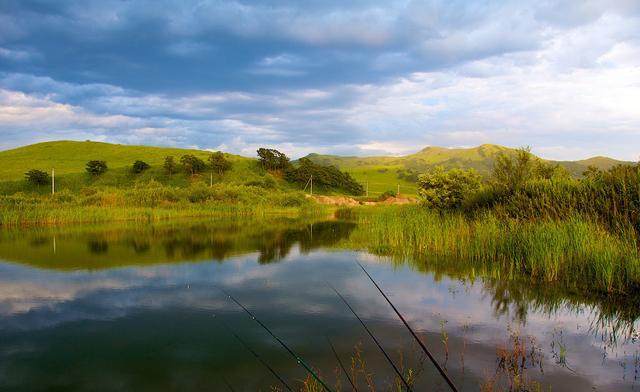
pixel 385 173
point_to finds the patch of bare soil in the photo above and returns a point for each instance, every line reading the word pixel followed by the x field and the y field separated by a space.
pixel 349 201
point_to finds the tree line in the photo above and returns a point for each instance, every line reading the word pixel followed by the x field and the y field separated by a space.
pixel 189 164
pixel 327 178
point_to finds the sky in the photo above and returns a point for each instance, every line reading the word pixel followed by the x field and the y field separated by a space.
pixel 350 78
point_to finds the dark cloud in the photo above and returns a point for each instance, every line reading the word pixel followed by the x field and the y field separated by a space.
pixel 314 74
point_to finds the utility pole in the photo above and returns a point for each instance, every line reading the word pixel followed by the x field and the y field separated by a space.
pixel 367 188
pixel 53 181
pixel 398 194
pixel 211 180
pixel 312 185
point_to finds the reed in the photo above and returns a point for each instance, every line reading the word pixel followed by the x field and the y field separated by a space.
pixel 575 250
pixel 153 202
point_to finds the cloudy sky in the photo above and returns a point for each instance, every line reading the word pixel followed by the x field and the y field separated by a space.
pixel 366 78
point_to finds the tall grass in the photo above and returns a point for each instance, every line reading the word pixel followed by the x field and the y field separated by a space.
pixel 152 202
pixel 574 250
pixel 611 198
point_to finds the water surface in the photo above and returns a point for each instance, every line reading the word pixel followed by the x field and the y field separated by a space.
pixel 122 307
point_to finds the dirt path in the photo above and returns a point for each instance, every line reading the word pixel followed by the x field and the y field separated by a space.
pixel 349 201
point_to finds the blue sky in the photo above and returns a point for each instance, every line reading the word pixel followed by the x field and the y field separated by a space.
pixel 361 77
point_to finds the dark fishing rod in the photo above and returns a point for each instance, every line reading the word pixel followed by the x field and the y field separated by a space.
pixel 406 384
pixel 255 354
pixel 226 383
pixel 355 389
pixel 294 355
pixel 443 373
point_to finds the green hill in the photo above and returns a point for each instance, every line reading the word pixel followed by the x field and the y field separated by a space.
pixel 379 173
pixel 386 173
pixel 69 159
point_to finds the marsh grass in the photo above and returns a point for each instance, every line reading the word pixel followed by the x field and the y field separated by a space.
pixel 575 251
pixel 152 201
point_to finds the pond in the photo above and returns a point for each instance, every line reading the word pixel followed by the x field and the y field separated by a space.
pixel 123 307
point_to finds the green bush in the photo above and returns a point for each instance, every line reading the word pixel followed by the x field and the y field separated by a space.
pixel 140 166
pixel 442 189
pixel 37 177
pixel 96 168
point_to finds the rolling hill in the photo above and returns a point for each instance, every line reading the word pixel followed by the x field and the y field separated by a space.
pixel 385 173
pixel 69 159
pixel 380 174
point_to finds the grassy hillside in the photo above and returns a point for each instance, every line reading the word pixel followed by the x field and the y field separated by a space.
pixel 380 174
pixel 69 159
pixel 384 173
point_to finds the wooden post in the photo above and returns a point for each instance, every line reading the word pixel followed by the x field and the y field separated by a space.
pixel 211 181
pixel 367 188
pixel 312 185
pixel 398 194
pixel 53 181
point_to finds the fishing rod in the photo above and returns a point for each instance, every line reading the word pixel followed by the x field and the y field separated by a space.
pixel 294 355
pixel 443 373
pixel 406 384
pixel 355 389
pixel 262 361
pixel 226 383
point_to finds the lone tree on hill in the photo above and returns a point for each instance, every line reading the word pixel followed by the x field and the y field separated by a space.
pixel 37 177
pixel 271 159
pixel 192 164
pixel 219 163
pixel 96 168
pixel 169 165
pixel 140 166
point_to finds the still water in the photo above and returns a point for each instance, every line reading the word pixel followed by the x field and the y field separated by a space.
pixel 123 308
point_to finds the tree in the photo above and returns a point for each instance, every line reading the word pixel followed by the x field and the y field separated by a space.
pixel 511 172
pixel 219 163
pixel 447 189
pixel 140 166
pixel 191 164
pixel 169 165
pixel 324 177
pixel 96 168
pixel 271 159
pixel 549 171
pixel 593 173
pixel 37 177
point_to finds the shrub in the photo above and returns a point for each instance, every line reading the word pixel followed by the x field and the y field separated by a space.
pixel 152 194
pixel 442 189
pixel 386 195
pixel 140 166
pixel 511 172
pixel 64 196
pixel 219 164
pixel 96 168
pixel 37 177
pixel 192 164
pixel 169 165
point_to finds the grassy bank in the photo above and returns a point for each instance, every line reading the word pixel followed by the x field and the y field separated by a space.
pixel 575 251
pixel 153 202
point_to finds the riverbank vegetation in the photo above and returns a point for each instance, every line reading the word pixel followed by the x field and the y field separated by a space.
pixel 151 201
pixel 529 218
